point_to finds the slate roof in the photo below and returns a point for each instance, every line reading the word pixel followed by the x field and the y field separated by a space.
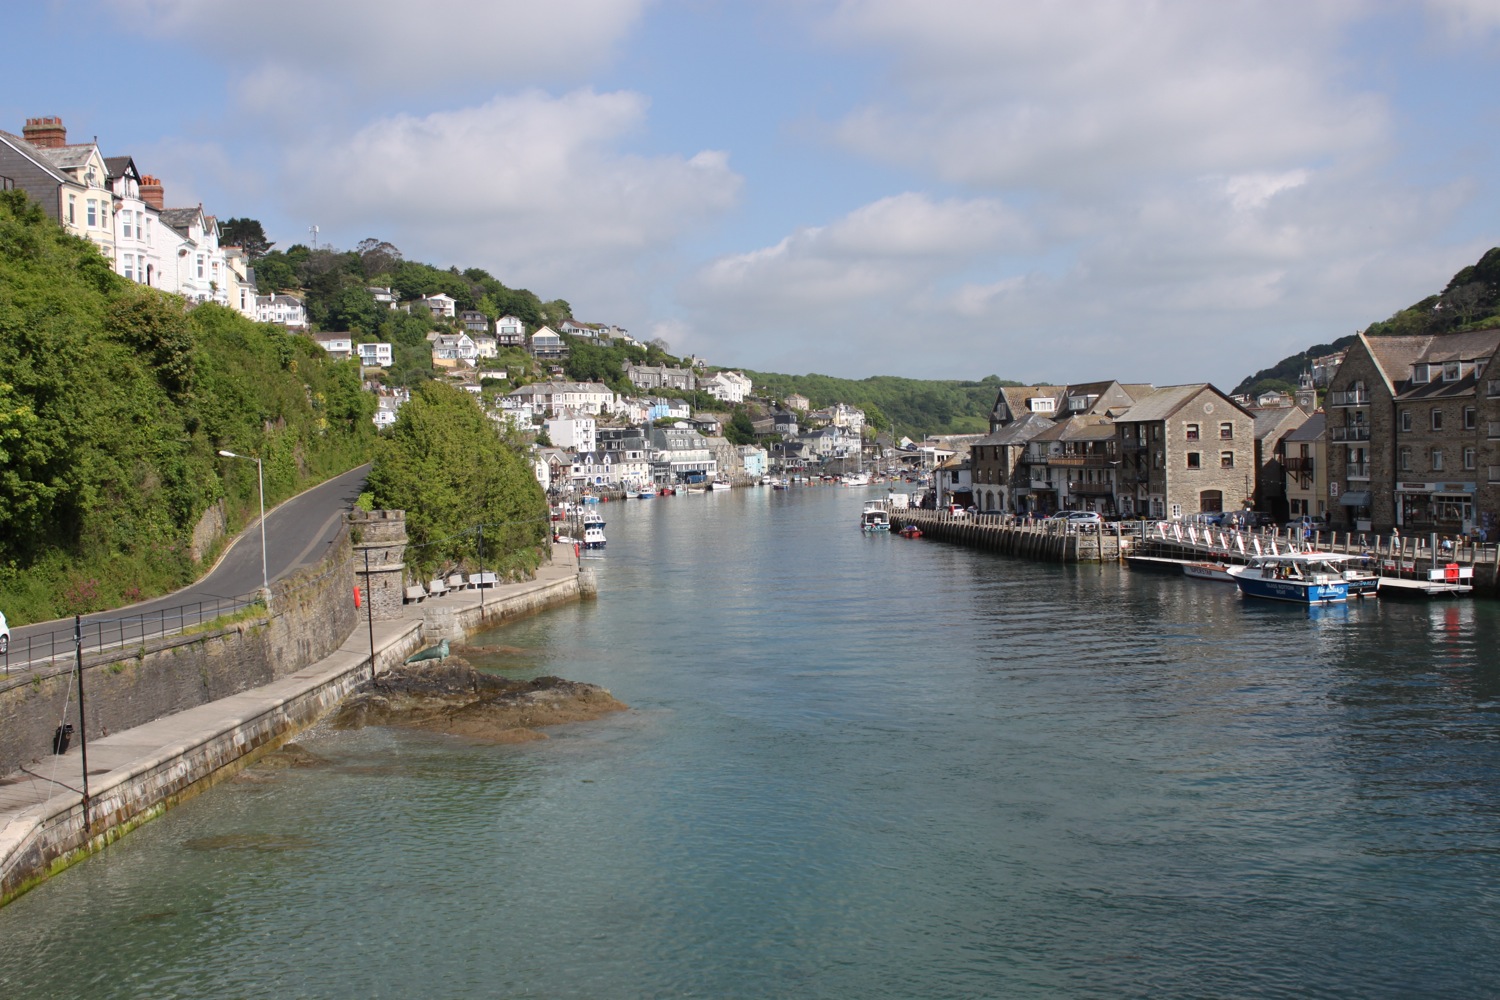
pixel 33 154
pixel 1312 428
pixel 1162 403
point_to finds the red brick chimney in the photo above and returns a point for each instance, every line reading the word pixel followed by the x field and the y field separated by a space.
pixel 45 133
pixel 151 191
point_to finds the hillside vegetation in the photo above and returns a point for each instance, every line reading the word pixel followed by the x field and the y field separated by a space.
pixel 1471 301
pixel 114 400
pixel 905 406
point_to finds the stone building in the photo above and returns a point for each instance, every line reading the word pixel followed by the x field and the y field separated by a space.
pixel 1414 434
pixel 1306 462
pixel 1185 449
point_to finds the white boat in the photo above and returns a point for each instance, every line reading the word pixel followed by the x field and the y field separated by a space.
pixel 875 517
pixel 718 485
pixel 1357 571
pixel 1298 577
pixel 593 537
pixel 1214 571
pixel 646 494
pixel 856 479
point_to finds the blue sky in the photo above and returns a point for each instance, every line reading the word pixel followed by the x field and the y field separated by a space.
pixel 1155 190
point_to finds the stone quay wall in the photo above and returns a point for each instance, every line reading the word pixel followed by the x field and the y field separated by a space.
pixel 312 612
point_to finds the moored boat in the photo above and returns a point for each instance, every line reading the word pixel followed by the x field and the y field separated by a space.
pixel 593 537
pixel 910 531
pixel 1298 577
pixel 1213 571
pixel 875 517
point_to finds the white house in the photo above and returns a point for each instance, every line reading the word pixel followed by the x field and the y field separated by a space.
pixel 453 350
pixel 441 305
pixel 592 398
pixel 510 332
pixel 283 310
pixel 339 346
pixel 573 430
pixel 376 355
pixel 387 404
pixel 545 343
pixel 383 296
pixel 486 345
pixel 730 387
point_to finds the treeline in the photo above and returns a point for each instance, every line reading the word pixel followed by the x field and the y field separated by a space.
pixel 114 400
pixel 1470 301
pixel 905 406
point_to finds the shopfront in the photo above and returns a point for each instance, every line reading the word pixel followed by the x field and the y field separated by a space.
pixel 1447 508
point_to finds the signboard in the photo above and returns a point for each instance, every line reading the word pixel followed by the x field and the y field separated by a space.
pixel 1333 489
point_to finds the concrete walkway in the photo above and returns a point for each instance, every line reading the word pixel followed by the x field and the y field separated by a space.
pixel 29 798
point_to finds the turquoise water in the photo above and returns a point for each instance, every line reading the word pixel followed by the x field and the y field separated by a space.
pixel 855 767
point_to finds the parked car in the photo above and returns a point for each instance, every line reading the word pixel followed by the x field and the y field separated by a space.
pixel 1316 522
pixel 4 635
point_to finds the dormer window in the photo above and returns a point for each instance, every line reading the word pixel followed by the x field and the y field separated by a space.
pixel 1419 374
pixel 1042 404
pixel 1452 371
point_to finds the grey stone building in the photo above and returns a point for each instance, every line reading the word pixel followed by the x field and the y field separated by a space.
pixel 1185 449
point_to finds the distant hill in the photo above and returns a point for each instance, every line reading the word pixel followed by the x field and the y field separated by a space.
pixel 1471 301
pixel 905 405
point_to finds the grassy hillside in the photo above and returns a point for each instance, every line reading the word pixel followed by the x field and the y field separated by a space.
pixel 114 399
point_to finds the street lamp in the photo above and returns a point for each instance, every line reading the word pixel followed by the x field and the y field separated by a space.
pixel 260 481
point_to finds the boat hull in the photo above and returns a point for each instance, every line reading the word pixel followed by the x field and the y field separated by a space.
pixel 1293 591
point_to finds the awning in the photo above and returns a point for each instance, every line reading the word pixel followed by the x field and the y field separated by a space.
pixel 1355 498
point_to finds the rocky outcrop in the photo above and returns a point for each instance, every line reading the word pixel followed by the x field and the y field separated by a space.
pixel 452 697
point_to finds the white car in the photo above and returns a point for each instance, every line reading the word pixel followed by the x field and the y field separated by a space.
pixel 4 635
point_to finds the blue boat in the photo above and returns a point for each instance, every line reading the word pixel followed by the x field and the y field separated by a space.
pixel 1298 577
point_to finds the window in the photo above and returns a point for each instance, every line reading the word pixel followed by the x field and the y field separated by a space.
pixel 1405 454
pixel 1470 458
pixel 129 262
pixel 200 265
pixel 1226 432
pixel 73 205
pixel 1226 459
pixel 1192 432
pixel 125 218
pixel 1471 418
pixel 1156 460
pixel 1437 419
pixel 1452 371
pixel 1419 374
pixel 1405 420
pixel 1194 460
pixel 1437 460
pixel 93 213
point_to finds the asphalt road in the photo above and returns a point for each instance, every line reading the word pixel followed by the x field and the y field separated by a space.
pixel 298 533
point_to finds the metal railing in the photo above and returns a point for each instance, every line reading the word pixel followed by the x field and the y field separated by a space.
pixel 1357 470
pixel 1353 432
pixel 1349 397
pixel 101 634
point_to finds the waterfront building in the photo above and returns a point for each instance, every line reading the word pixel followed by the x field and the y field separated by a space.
pixel 681 454
pixel 1185 449
pixel 1413 432
pixel 572 430
pixel 1306 464
pixel 1272 425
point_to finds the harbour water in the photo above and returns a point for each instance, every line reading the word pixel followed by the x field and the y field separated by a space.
pixel 856 766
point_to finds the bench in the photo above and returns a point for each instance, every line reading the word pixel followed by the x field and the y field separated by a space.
pixel 483 579
pixel 456 582
pixel 437 588
pixel 415 594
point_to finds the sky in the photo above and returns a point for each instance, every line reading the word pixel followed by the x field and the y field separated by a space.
pixel 1158 191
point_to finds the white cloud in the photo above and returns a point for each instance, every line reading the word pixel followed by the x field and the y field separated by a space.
pixel 1094 94
pixel 1467 20
pixel 392 47
pixel 533 187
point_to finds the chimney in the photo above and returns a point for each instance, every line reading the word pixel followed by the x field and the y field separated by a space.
pixel 151 191
pixel 45 133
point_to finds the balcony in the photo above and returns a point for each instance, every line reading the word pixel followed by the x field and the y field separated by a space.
pixel 1091 489
pixel 1358 470
pixel 1353 432
pixel 1300 466
pixel 1069 460
pixel 1349 397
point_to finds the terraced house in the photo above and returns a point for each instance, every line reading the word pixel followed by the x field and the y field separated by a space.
pixel 1185 449
pixel 1414 434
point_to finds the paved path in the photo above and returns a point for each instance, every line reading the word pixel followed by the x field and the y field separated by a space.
pixel 56 781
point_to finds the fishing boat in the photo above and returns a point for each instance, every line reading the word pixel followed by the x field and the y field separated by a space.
pixel 666 491
pixel 719 484
pixel 646 494
pixel 910 531
pixel 1298 577
pixel 593 537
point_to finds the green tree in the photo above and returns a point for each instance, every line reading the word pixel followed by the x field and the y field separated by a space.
pixel 248 235
pixel 452 471
pixel 740 429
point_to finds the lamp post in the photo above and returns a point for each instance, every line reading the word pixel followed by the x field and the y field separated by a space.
pixel 260 481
